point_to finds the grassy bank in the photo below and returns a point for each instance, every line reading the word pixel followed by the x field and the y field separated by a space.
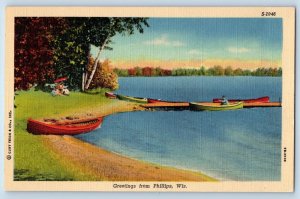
pixel 34 161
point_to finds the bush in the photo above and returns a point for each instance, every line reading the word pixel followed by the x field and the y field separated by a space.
pixel 104 76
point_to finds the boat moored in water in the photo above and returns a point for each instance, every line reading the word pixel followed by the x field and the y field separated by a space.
pixel 255 100
pixel 150 100
pixel 132 99
pixel 215 106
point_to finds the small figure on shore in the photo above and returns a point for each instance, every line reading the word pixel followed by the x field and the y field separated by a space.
pixel 224 101
pixel 55 92
pixel 59 88
pixel 65 91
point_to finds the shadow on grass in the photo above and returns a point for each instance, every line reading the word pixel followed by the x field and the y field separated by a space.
pixel 26 175
pixel 96 91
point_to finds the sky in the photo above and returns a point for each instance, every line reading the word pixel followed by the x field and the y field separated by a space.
pixel 193 42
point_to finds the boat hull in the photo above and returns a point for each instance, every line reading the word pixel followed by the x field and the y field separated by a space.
pixel 154 100
pixel 214 107
pixel 133 99
pixel 66 128
pixel 150 100
pixel 110 95
pixel 257 100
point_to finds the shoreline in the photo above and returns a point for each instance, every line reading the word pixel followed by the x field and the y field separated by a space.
pixel 105 165
pixel 108 166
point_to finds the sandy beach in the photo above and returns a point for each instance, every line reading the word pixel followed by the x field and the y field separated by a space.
pixel 116 106
pixel 104 165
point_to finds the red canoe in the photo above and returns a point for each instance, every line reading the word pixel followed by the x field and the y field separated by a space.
pixel 257 100
pixel 63 128
pixel 154 100
pixel 110 95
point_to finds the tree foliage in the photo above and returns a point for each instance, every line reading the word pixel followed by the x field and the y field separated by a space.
pixel 73 46
pixel 50 47
pixel 33 59
pixel 71 53
pixel 228 71
pixel 104 77
pixel 147 71
pixel 109 28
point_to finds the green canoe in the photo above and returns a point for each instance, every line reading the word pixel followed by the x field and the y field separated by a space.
pixel 133 99
pixel 215 106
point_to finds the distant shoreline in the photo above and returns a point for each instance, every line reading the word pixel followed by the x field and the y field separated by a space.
pixel 198 71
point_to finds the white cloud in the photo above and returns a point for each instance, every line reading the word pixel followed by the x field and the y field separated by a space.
pixel 194 52
pixel 238 50
pixel 177 43
pixel 163 40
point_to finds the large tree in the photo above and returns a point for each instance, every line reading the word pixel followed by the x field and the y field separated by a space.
pixel 73 46
pixel 33 50
pixel 112 26
pixel 71 52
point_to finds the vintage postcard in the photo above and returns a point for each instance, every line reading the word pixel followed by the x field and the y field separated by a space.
pixel 180 99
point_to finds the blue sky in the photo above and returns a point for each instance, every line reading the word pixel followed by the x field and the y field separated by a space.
pixel 170 40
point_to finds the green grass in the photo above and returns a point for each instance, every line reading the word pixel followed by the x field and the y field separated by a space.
pixel 32 159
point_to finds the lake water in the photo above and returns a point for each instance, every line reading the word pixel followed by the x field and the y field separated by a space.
pixel 242 145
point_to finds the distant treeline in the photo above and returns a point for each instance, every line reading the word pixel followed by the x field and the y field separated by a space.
pixel 202 71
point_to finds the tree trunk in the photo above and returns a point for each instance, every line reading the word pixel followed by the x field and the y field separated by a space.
pixel 83 81
pixel 85 78
pixel 85 72
pixel 95 64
